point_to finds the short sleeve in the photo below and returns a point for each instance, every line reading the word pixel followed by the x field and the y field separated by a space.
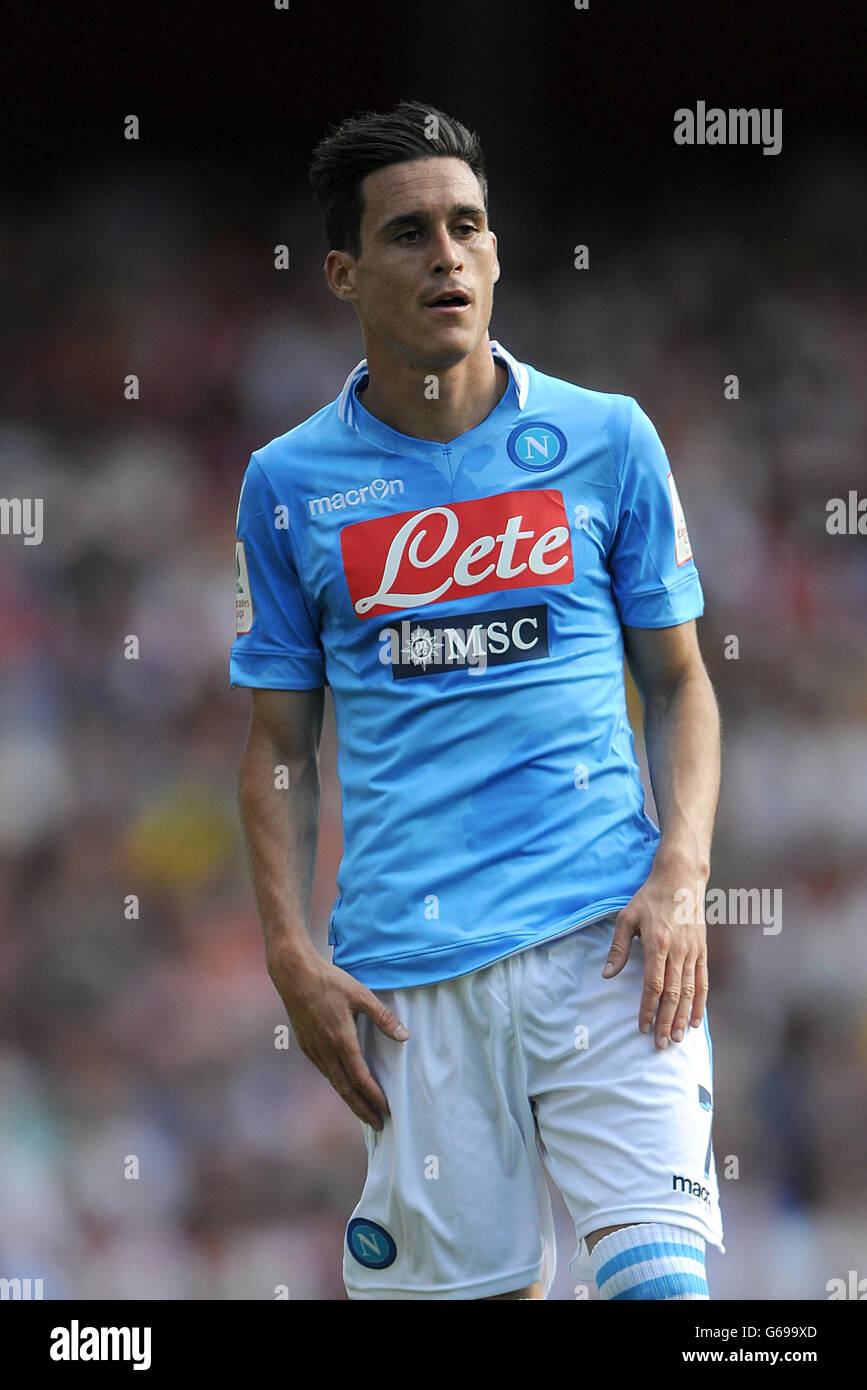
pixel 653 572
pixel 277 645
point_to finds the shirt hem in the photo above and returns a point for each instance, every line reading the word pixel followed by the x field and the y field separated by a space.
pixel 450 962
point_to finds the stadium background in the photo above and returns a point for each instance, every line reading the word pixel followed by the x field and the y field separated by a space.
pixel 155 1037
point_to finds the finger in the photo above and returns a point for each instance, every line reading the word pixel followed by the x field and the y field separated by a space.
pixel 700 1000
pixel 353 1097
pixel 654 982
pixel 682 1013
pixel 360 1076
pixel 624 929
pixel 381 1015
pixel 669 1000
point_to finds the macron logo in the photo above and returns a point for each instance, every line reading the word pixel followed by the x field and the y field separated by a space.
pixel 693 1187
pixel 76 1343
pixel 378 488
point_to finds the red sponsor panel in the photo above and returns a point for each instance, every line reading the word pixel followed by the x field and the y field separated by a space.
pixel 514 540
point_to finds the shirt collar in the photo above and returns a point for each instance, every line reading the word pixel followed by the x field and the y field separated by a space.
pixel 347 403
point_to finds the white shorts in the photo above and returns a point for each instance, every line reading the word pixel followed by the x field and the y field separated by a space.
pixel 532 1060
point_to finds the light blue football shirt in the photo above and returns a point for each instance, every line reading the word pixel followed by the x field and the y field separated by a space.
pixel 464 602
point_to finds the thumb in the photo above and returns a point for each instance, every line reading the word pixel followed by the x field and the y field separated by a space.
pixel 624 929
pixel 383 1017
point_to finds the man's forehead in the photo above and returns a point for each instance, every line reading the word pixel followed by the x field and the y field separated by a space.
pixel 418 183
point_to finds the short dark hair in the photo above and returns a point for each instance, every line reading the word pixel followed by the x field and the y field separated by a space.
pixel 372 140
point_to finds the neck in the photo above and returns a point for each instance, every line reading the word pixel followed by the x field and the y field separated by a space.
pixel 426 403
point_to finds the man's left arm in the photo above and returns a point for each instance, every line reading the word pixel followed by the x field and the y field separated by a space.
pixel 682 737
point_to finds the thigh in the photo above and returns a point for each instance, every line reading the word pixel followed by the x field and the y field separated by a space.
pixel 455 1203
pixel 625 1127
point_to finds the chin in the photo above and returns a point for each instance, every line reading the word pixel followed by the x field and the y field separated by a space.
pixel 440 361
pixel 439 352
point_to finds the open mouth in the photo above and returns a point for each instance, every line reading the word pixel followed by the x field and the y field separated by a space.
pixel 449 302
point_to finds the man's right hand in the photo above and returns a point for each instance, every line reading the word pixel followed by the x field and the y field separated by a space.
pixel 322 1002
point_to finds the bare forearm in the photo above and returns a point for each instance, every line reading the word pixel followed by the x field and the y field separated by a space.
pixel 279 792
pixel 281 825
pixel 682 734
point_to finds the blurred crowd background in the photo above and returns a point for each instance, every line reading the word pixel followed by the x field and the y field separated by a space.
pixel 148 1032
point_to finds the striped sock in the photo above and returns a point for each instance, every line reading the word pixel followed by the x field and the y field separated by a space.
pixel 650 1260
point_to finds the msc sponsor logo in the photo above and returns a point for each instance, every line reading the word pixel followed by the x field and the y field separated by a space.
pixel 370 1244
pixel 513 540
pixel 378 488
pixel 471 641
pixel 536 446
pixel 695 1189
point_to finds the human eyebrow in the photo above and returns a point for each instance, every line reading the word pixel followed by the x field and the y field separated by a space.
pixel 418 217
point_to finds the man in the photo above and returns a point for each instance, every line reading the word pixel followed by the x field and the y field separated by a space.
pixel 463 547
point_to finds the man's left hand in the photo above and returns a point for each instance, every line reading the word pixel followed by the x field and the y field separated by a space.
pixel 667 913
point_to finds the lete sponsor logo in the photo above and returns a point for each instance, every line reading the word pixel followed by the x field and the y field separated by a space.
pixel 514 540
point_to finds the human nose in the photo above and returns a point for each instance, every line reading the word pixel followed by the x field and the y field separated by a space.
pixel 446 253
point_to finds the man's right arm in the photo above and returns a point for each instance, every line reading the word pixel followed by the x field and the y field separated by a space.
pixel 280 816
